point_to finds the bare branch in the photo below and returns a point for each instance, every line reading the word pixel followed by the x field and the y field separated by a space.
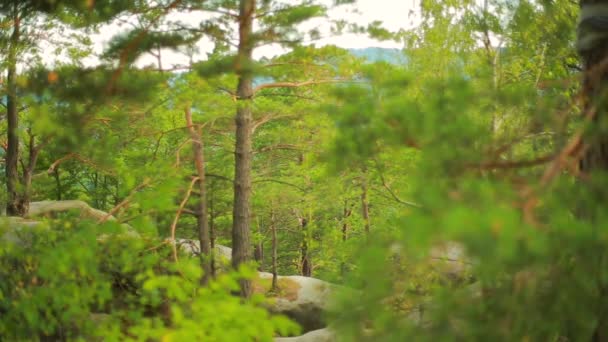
pixel 279 147
pixel 124 202
pixel 391 192
pixel 178 214
pixel 280 182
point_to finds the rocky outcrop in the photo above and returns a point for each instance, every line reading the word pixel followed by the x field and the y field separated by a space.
pixel 49 207
pixel 450 260
pixel 192 247
pixel 21 227
pixel 303 299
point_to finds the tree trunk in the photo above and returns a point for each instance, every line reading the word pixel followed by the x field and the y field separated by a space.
pixel 273 229
pixel 594 54
pixel 212 228
pixel 306 264
pixel 57 177
pixel 28 172
pixel 15 205
pixel 204 236
pixel 241 230
pixel 258 248
pixel 96 189
pixel 365 204
pixel 258 255
pixel 345 215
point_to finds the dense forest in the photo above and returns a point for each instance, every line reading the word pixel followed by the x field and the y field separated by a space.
pixel 453 189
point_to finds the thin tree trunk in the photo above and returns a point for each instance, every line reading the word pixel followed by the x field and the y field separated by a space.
pixel 212 228
pixel 595 159
pixel 28 172
pixel 306 263
pixel 15 205
pixel 258 255
pixel 345 215
pixel 273 228
pixel 241 230
pixel 201 217
pixel 365 204
pixel 96 189
pixel 57 177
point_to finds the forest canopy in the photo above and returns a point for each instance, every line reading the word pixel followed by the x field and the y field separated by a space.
pixel 454 188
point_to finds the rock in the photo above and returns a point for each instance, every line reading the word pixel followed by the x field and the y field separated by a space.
pixel 321 335
pixel 303 299
pixel 450 260
pixel 223 254
pixel 47 207
pixel 17 230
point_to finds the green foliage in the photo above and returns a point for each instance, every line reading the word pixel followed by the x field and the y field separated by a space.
pixel 360 168
pixel 77 280
pixel 128 47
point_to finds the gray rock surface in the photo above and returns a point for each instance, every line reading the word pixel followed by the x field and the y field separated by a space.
pixel 320 335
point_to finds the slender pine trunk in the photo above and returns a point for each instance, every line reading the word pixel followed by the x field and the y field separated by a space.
pixel 204 236
pixel 58 191
pixel 241 229
pixel 16 205
pixel 306 263
pixel 273 229
pixel 212 228
pixel 365 204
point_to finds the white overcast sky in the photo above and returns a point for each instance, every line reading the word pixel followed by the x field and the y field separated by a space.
pixel 395 15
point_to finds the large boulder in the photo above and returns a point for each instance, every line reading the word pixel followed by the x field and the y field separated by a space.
pixel 305 300
pixel 49 207
pixel 222 254
pixel 19 229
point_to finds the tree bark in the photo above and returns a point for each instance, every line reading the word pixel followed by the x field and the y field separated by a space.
pixel 204 236
pixel 306 263
pixel 345 215
pixel 212 228
pixel 258 255
pixel 365 204
pixel 595 158
pixel 28 172
pixel 273 229
pixel 16 205
pixel 241 230
pixel 57 177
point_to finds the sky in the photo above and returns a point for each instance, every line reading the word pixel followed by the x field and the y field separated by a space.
pixel 395 15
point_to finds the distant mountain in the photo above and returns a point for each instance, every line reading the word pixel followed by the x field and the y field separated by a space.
pixel 377 54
